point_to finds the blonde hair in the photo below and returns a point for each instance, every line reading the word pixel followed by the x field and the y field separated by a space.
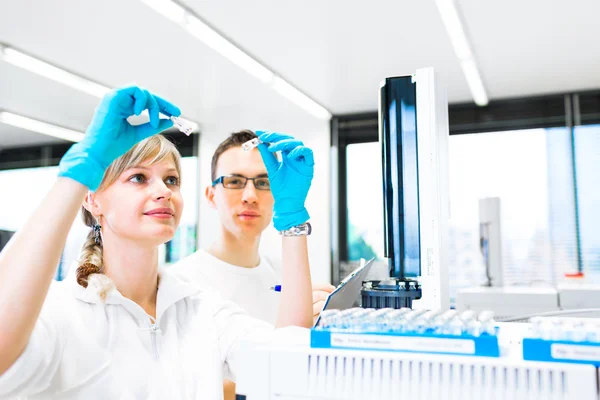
pixel 90 266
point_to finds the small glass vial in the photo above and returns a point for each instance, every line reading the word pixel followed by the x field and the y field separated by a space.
pixel 329 319
pixel 592 332
pixel 456 327
pixel 251 144
pixel 182 125
pixel 577 329
pixel 535 331
pixel 474 328
pixel 488 324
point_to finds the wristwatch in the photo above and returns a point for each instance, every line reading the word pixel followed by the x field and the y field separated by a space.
pixel 299 230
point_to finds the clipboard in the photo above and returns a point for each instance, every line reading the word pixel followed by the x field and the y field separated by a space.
pixel 344 296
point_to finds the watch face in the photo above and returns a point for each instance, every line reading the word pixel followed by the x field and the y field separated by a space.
pixel 299 230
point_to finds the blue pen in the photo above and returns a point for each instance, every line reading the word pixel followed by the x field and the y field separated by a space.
pixel 276 288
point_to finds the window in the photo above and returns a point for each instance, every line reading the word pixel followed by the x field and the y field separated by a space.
pixel 519 150
pixel 24 189
pixel 530 171
pixel 587 161
pixel 365 201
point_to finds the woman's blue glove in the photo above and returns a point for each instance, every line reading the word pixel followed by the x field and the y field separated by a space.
pixel 290 179
pixel 109 135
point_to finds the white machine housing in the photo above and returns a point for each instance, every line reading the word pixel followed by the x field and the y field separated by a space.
pixel 514 301
pixel 432 145
pixel 285 367
pixel 508 301
pixel 489 222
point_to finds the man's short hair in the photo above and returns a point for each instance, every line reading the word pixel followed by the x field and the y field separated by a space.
pixel 234 140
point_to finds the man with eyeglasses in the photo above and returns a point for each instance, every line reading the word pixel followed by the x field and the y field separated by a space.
pixel 247 198
pixel 241 195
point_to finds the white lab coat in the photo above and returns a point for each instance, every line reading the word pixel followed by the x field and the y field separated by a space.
pixel 246 287
pixel 82 348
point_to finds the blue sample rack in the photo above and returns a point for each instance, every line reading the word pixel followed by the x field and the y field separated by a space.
pixel 485 345
pixel 561 351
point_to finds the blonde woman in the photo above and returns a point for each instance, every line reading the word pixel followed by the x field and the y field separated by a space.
pixel 118 327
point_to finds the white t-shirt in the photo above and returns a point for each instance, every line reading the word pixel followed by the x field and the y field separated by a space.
pixel 82 348
pixel 247 287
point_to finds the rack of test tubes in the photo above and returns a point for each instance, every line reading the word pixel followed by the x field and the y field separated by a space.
pixel 390 293
pixel 424 331
pixel 570 340
pixel 385 354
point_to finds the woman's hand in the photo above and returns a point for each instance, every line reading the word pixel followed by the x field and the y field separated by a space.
pixel 110 135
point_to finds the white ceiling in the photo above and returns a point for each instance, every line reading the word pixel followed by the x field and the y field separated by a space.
pixel 336 51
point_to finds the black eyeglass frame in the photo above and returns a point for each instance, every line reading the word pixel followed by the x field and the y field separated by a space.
pixel 220 180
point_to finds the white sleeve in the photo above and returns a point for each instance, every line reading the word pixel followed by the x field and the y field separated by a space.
pixel 191 270
pixel 36 367
pixel 60 354
pixel 233 325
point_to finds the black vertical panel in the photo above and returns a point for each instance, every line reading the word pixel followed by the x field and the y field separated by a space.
pixel 398 137
pixel 589 108
pixel 339 242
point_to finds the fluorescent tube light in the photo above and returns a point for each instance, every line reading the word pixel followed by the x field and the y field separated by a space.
pixel 299 98
pixel 455 29
pixel 59 75
pixel 40 127
pixel 46 70
pixel 462 49
pixel 168 8
pixel 213 39
pixel 474 82
pixel 218 43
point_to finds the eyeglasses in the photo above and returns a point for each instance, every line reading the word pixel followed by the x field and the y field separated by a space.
pixel 239 182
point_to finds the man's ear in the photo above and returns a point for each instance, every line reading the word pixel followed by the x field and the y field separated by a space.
pixel 209 193
pixel 89 203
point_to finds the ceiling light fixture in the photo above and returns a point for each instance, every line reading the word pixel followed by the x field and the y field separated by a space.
pixel 462 48
pixel 227 49
pixel 169 9
pixel 29 63
pixel 285 89
pixel 44 128
pixel 32 64
pixel 213 39
pixel 474 82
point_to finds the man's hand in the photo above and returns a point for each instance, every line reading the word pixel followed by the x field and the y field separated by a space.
pixel 320 293
pixel 290 178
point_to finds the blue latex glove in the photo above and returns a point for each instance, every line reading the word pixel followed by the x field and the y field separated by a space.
pixel 290 178
pixel 109 135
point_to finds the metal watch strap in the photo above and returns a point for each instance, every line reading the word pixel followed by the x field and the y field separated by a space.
pixel 299 230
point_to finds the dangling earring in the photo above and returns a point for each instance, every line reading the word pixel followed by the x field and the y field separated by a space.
pixel 97 236
pixel 96 227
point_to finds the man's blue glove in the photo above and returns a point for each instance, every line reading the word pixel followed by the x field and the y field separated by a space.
pixel 290 179
pixel 109 135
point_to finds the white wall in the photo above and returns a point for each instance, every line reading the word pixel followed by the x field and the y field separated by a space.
pixel 315 134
